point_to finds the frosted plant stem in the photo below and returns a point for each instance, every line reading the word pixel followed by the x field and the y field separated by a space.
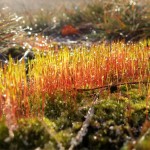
pixel 84 129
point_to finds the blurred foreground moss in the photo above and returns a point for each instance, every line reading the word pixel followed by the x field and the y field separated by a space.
pixel 29 135
pixel 118 123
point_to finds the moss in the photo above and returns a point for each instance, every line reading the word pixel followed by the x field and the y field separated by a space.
pixel 116 120
pixel 135 95
pixel 104 136
pixel 107 130
pixel 79 97
pixel 138 114
pixel 54 105
pixel 142 143
pixel 4 134
pixel 110 110
pixel 76 126
pixel 123 88
pixel 67 119
pixel 64 137
pixel 30 134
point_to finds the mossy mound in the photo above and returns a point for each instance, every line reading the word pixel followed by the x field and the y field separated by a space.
pixel 29 135
pixel 118 122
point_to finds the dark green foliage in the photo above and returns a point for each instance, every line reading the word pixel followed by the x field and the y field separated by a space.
pixel 107 136
pixel 67 118
pixel 63 111
pixel 29 135
pixel 15 52
pixel 123 88
pixel 54 106
pixel 4 134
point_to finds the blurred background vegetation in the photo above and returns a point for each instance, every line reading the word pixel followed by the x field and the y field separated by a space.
pixel 96 20
pixel 103 19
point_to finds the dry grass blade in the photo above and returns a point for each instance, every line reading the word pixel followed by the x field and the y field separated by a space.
pixel 84 129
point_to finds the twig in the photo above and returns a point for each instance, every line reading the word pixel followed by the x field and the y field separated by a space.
pixel 25 55
pixel 84 129
pixel 109 85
